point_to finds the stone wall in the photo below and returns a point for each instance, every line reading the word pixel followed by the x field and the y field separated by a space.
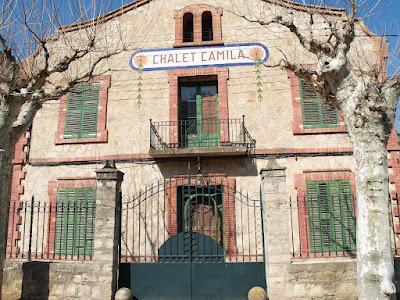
pixel 76 279
pixel 53 280
pixel 289 277
pixel 329 279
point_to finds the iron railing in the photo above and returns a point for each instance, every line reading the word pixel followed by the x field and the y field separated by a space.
pixel 302 242
pixel 207 133
pixel 191 218
pixel 51 231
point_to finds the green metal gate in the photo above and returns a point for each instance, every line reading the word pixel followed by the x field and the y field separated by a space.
pixel 192 237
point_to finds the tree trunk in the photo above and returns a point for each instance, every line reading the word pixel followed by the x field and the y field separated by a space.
pixel 369 130
pixel 374 250
pixel 6 157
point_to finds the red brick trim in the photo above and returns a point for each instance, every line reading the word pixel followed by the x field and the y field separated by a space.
pixel 102 133
pixel 85 159
pixel 300 181
pixel 298 115
pixel 21 154
pixel 393 142
pixel 228 184
pixel 53 186
pixel 301 151
pixel 222 75
pixel 145 156
pixel 197 11
pixel 394 178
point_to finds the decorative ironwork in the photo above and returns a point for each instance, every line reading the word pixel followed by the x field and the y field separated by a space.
pixel 207 133
pixel 191 219
pixel 52 231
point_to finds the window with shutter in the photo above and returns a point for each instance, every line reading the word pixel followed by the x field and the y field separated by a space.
pixel 82 111
pixel 316 114
pixel 75 220
pixel 331 216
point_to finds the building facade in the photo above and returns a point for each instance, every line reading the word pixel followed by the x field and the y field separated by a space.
pixel 235 174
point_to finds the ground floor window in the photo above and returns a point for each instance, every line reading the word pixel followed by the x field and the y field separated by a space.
pixel 330 215
pixel 75 220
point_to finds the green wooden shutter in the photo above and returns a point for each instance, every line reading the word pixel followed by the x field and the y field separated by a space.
pixel 318 216
pixel 59 228
pixel 75 222
pixel 316 114
pixel 73 116
pixel 82 111
pixel 347 217
pixel 65 222
pixel 330 216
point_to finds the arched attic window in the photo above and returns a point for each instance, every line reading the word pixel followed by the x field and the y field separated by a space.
pixel 198 24
pixel 188 34
pixel 207 26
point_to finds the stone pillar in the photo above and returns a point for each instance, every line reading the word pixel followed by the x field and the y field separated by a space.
pixel 107 228
pixel 276 220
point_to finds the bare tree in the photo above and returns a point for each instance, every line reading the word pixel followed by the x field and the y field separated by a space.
pixel 41 60
pixel 366 98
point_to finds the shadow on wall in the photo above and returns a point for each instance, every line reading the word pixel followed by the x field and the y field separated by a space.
pixel 35 281
pixel 244 166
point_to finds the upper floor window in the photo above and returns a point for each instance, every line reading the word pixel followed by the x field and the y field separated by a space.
pixel 188 34
pixel 198 25
pixel 207 26
pixel 316 113
pixel 83 113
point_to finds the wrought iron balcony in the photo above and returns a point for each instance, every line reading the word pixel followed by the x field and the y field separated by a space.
pixel 206 137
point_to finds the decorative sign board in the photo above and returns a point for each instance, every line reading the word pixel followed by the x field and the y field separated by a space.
pixel 197 57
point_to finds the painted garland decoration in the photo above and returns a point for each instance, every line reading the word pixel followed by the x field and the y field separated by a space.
pixel 256 54
pixel 140 61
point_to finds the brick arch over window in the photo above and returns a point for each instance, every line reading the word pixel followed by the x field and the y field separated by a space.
pixel 197 10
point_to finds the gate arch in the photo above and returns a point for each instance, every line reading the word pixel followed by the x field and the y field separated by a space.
pixel 192 237
pixel 153 215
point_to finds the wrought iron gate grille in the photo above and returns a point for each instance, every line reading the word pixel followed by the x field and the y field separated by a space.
pixel 191 219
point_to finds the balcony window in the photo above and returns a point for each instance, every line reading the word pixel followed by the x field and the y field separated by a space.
pixel 198 112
